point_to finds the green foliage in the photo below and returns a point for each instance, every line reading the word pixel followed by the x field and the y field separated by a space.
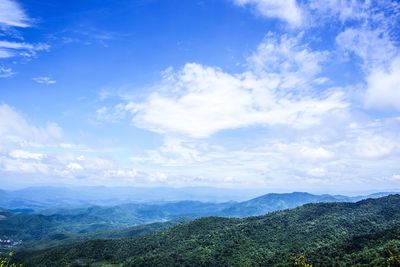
pixel 394 259
pixel 330 234
pixel 6 262
pixel 40 231
pixel 300 261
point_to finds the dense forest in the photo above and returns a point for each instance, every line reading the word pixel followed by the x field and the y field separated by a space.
pixel 56 226
pixel 366 233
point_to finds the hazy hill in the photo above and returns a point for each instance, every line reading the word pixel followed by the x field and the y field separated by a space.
pixel 273 202
pixel 328 234
pixel 39 198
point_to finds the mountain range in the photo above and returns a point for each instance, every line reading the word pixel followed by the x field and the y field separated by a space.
pixel 49 197
pixel 54 226
pixel 365 233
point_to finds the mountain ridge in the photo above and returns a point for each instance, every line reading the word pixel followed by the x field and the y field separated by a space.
pixel 328 234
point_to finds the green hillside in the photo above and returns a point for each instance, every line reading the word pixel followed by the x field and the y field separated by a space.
pixel 366 233
pixel 61 226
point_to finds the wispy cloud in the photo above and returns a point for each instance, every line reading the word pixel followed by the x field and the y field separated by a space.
pixel 5 72
pixel 44 80
pixel 13 49
pixel 23 154
pixel 15 128
pixel 373 40
pixel 287 11
pixel 13 17
pixel 12 14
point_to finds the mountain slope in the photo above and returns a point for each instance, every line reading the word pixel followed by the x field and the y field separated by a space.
pixel 329 234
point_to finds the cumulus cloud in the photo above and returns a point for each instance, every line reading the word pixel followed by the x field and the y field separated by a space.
pixel 288 11
pixel 199 101
pixel 208 100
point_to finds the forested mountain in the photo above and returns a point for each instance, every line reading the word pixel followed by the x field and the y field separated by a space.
pixel 366 233
pixel 58 226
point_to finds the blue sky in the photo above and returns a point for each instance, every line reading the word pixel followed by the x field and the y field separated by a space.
pixel 282 95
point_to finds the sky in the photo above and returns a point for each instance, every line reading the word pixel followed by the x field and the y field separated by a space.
pixel 279 95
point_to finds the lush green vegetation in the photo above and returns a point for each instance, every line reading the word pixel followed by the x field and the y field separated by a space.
pixel 60 226
pixel 366 233
pixel 6 261
pixel 39 231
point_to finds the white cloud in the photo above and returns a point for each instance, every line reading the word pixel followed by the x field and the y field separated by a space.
pixel 383 86
pixel 374 42
pixel 342 156
pixel 15 128
pixel 53 159
pixel 199 101
pixel 287 62
pixel 373 46
pixel 396 176
pixel 203 100
pixel 12 15
pixel 343 10
pixel 12 49
pixel 44 80
pixel 22 154
pixel 106 114
pixel 287 10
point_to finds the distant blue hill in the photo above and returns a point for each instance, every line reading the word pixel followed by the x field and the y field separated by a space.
pixel 40 198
